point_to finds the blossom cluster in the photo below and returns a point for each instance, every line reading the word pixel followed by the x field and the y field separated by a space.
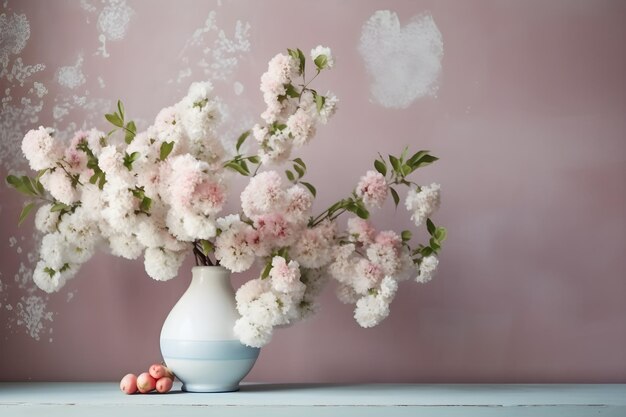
pixel 151 196
pixel 161 194
pixel 292 114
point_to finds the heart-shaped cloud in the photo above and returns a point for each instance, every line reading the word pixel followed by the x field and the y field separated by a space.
pixel 404 62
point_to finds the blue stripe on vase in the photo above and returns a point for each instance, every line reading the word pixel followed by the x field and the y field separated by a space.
pixel 207 350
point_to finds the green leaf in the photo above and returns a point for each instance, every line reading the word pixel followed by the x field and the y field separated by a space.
pixel 59 207
pixel 236 167
pixel 434 244
pixel 207 247
pixel 102 180
pixel 131 131
pixel 416 157
pixel 254 159
pixel 129 159
pixel 284 253
pixel 138 192
pixel 13 181
pixel 120 108
pixel 114 119
pixel 166 149
pixel 28 183
pixel 321 61
pixel 309 187
pixel 427 251
pixel 94 178
pixel 319 102
pixel 300 162
pixel 25 211
pixel 302 60
pixel 395 163
pixel 22 184
pixel 430 226
pixel 289 175
pixel 380 167
pixel 425 160
pixel 362 212
pixel 291 91
pixel 242 138
pixel 266 270
pixel 299 170
pixel 406 235
pixel 40 174
pixel 440 234
pixel 406 170
pixel 145 204
pixel 396 197
pixel 40 190
pixel 405 152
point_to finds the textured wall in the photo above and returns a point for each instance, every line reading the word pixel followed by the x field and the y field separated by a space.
pixel 526 113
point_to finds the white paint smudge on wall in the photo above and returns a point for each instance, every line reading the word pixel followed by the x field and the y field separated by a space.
pixel 32 315
pixel 404 62
pixel 238 88
pixel 71 76
pixel 16 115
pixel 219 54
pixel 14 32
pixel 113 21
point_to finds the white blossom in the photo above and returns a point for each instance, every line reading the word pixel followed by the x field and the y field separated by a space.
pixel 423 203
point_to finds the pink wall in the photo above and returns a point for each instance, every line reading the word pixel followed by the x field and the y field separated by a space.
pixel 528 123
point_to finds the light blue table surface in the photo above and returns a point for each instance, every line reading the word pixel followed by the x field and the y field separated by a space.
pixel 277 400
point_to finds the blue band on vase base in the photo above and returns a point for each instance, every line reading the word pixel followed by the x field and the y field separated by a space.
pixel 207 349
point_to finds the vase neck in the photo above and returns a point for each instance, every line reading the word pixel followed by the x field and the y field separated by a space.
pixel 211 277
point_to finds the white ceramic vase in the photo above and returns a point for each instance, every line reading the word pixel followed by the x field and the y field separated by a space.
pixel 197 340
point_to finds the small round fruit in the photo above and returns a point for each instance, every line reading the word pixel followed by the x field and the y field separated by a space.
pixel 164 384
pixel 145 383
pixel 128 384
pixel 158 371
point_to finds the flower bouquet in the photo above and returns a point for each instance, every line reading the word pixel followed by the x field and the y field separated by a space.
pixel 160 194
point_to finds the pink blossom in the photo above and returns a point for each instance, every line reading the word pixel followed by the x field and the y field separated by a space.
pixel 209 196
pixel 361 230
pixel 274 229
pixel 390 238
pixel 188 185
pixel 259 246
pixel 372 189
pixel 299 203
pixel 368 275
pixel 263 194
pixel 313 247
pixel 77 159
pixel 285 277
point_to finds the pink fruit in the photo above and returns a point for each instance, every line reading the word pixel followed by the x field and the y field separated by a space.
pixel 164 384
pixel 158 371
pixel 128 384
pixel 145 383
